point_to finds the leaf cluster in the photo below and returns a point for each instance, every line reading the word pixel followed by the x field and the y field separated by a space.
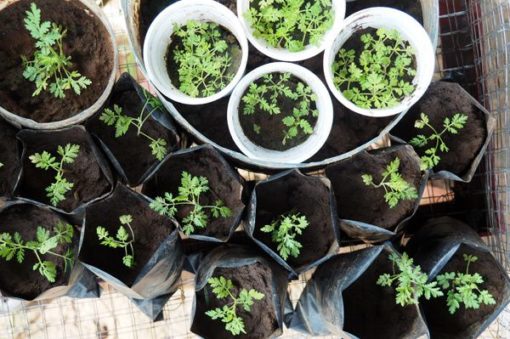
pixel 431 158
pixel 50 67
pixel 290 24
pixel 284 231
pixel 222 289
pixel 376 77
pixel 395 187
pixel 46 161
pixel 189 193
pixel 45 242
pixel 122 239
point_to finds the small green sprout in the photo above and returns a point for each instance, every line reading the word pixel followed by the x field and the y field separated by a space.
pixel 290 24
pixel 50 66
pixel 123 122
pixel 121 239
pixel 464 288
pixel 284 231
pixel 189 194
pixel 61 186
pixel 376 77
pixel 44 244
pixel 223 288
pixel 396 188
pixel 452 126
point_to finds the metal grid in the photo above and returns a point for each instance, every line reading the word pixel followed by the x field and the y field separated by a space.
pixel 473 51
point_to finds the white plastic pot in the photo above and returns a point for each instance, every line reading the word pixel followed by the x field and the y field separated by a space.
pixel 338 7
pixel 159 37
pixel 301 152
pixel 410 30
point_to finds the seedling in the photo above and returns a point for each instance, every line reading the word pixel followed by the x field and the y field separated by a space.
pixel 122 239
pixel 284 231
pixel 290 24
pixel 376 77
pixel 50 67
pixel 431 159
pixel 45 160
pixel 12 245
pixel 223 288
pixel 123 122
pixel 396 188
pixel 203 59
pixel 267 96
pixel 190 190
pixel 464 288
pixel 411 282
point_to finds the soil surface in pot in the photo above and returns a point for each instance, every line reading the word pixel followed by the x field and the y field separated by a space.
pixel 444 99
pixel 356 201
pixel 132 151
pixel 369 308
pixel 9 157
pixel 444 325
pixel 259 323
pixel 87 42
pixel 85 173
pixel 222 186
pixel 411 7
pixel 150 230
pixel 306 195
pixel 20 279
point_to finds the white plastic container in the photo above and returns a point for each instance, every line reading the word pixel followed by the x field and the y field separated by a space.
pixel 410 30
pixel 338 6
pixel 301 152
pixel 159 36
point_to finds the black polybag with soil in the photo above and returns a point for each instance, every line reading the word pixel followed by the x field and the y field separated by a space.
pixel 9 158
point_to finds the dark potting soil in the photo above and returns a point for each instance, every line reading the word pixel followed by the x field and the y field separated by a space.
pixel 444 325
pixel 260 322
pixel 9 157
pixel 85 173
pixel 150 230
pixel 371 310
pixel 132 151
pixel 306 195
pixel 20 279
pixel 87 42
pixel 411 7
pixel 444 99
pixel 204 163
pixel 356 201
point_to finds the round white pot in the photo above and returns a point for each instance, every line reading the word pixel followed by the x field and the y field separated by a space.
pixel 159 36
pixel 410 30
pixel 301 152
pixel 283 54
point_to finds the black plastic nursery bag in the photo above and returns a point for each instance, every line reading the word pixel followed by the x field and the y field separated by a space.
pixel 9 158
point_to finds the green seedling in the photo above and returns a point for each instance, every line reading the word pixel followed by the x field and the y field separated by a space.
pixel 284 231
pixel 122 239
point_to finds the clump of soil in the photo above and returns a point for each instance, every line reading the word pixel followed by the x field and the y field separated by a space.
pixel 87 42
pixel 260 322
pixel 9 157
pixel 411 7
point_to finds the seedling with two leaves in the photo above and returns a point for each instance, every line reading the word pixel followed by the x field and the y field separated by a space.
pixel 284 231
pixel 122 239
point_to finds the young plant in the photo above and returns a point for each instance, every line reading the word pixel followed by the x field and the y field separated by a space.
pixel 452 126
pixel 122 239
pixel 267 95
pixel 189 193
pixel 284 231
pixel 50 67
pixel 223 288
pixel 396 188
pixel 45 160
pixel 411 282
pixel 45 242
pixel 290 24
pixel 464 288
pixel 376 78
pixel 203 59
pixel 122 123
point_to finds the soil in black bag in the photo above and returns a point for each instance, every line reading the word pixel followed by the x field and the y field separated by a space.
pixel 86 41
pixel 9 158
pixel 411 7
pixel 359 202
pixel 21 280
pixel 259 323
pixel 443 100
